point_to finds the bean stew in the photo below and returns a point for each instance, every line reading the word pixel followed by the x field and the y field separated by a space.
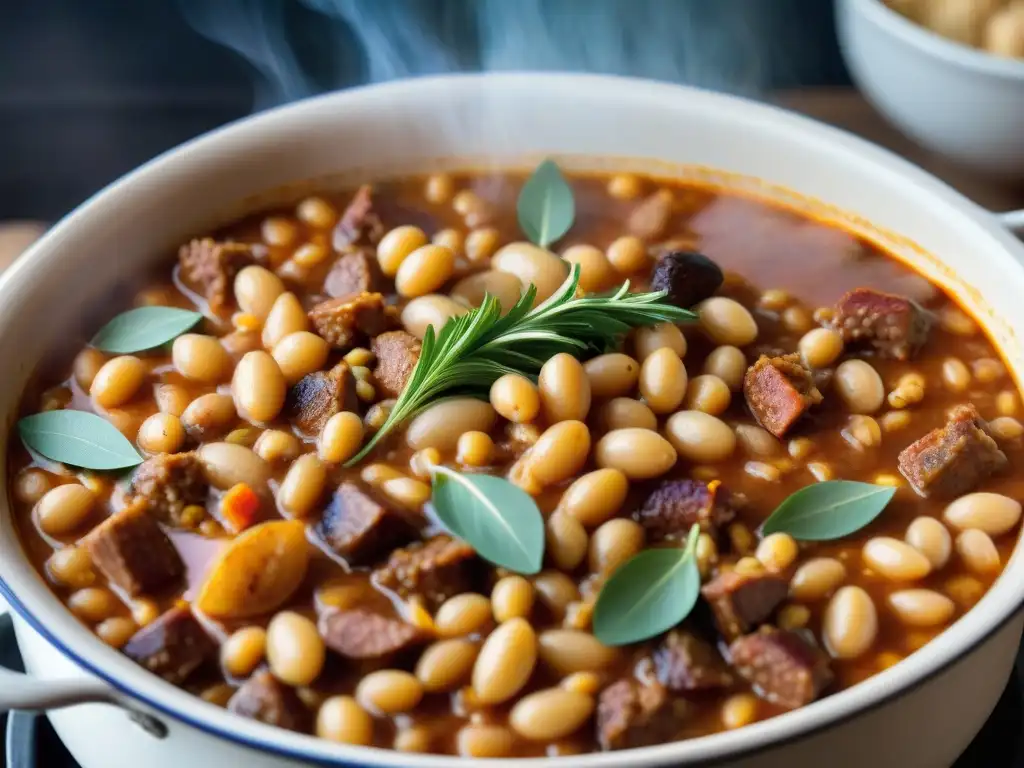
pixel 578 518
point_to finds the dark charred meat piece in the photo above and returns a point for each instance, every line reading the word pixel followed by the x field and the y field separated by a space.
pixel 169 482
pixel 174 646
pixel 782 666
pixel 397 353
pixel 651 216
pixel 633 714
pixel 741 602
pixel 779 390
pixel 133 552
pixel 894 326
pixel 359 528
pixel 686 664
pixel 209 269
pixel 318 396
pixel 366 635
pixel 953 459
pixel 436 569
pixel 676 505
pixel 353 274
pixel 263 697
pixel 687 276
pixel 348 321
pixel 359 224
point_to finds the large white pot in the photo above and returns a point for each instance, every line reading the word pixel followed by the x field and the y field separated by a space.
pixel 922 712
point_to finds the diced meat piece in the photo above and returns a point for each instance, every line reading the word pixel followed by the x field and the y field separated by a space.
pixel 782 666
pixel 173 646
pixel 894 326
pixel 359 224
pixel 359 528
pixel 366 635
pixel 352 274
pixel 687 276
pixel 132 551
pixel 263 697
pixel 741 602
pixel 954 459
pixel 209 268
pixel 779 390
pixel 677 505
pixel 318 396
pixel 169 482
pixel 633 714
pixel 348 321
pixel 686 664
pixel 397 353
pixel 650 218
pixel 436 569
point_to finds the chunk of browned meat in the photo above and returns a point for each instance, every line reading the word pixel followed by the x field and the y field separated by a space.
pixel 782 666
pixel 397 353
pixel 779 390
pixel 651 216
pixel 894 326
pixel 366 635
pixel 687 277
pixel 633 714
pixel 953 459
pixel 133 552
pixel 359 528
pixel 209 268
pixel 741 602
pixel 348 321
pixel 169 482
pixel 352 274
pixel 318 396
pixel 173 646
pixel 676 505
pixel 436 569
pixel 263 697
pixel 686 664
pixel 359 224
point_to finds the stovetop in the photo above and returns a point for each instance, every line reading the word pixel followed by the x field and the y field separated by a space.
pixel 31 742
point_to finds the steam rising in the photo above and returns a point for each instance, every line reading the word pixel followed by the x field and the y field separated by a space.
pixel 723 45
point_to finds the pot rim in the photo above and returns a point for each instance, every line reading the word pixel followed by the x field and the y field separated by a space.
pixel 18 579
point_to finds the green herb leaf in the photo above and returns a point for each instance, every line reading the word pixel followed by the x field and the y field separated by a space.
pixel 474 350
pixel 650 594
pixel 546 207
pixel 500 521
pixel 144 328
pixel 78 438
pixel 828 510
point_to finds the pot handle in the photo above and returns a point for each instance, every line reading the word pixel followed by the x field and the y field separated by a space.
pixel 1013 221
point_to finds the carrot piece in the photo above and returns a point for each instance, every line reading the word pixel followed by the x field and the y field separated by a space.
pixel 239 506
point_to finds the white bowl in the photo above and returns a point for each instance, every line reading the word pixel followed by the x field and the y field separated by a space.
pixel 921 712
pixel 958 101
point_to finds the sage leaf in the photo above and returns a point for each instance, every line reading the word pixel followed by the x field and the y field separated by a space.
pixel 651 593
pixel 78 438
pixel 546 207
pixel 499 520
pixel 144 328
pixel 829 510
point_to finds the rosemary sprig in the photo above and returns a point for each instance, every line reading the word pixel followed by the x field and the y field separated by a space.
pixel 474 350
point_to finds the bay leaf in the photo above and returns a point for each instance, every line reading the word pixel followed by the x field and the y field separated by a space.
pixel 829 510
pixel 78 438
pixel 144 328
pixel 545 207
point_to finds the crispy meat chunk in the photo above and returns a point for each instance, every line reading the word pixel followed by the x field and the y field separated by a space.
pixel 953 459
pixel 676 505
pixel 741 602
pixel 348 321
pixel 779 390
pixel 686 664
pixel 209 268
pixel 894 326
pixel 687 276
pixel 353 274
pixel 173 646
pixel 359 224
pixel 784 667
pixel 318 396
pixel 169 482
pixel 359 528
pixel 397 353
pixel 366 635
pixel 263 697
pixel 133 552
pixel 633 714
pixel 436 569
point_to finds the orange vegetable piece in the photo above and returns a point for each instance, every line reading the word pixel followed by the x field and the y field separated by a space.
pixel 239 507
